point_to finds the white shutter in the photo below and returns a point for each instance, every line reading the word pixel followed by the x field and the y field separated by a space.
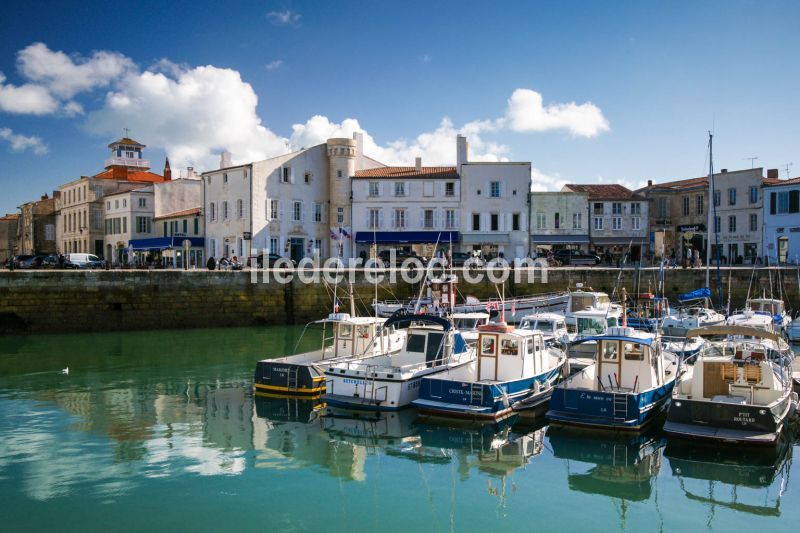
pixel 422 218
pixel 380 218
pixel 380 188
pixel 291 174
pixel 280 210
pixel 457 221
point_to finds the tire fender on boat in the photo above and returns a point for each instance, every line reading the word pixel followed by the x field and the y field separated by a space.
pixel 565 368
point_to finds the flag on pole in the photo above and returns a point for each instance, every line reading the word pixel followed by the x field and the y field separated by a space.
pixel 334 236
pixel 344 232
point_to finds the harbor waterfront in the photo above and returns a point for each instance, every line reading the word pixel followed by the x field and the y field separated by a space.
pixel 162 429
pixel 54 301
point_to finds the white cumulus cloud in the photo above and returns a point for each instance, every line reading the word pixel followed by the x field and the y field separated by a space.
pixel 526 112
pixel 192 116
pixel 25 99
pixel 65 76
pixel 275 64
pixel 20 143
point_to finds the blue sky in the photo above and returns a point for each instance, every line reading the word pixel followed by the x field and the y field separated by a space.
pixel 647 80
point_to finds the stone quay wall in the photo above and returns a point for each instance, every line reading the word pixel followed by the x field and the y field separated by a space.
pixel 82 301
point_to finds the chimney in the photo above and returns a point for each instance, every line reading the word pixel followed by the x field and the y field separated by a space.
pixel 44 196
pixel 723 171
pixel 167 170
pixel 418 164
pixel 772 173
pixel 462 152
pixel 189 172
pixel 225 160
pixel 649 183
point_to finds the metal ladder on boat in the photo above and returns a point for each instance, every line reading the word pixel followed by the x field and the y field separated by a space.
pixel 620 406
pixel 291 378
pixel 369 384
pixel 476 394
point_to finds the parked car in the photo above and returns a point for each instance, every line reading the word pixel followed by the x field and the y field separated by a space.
pixel 400 256
pixel 51 261
pixel 576 257
pixel 460 259
pixel 83 261
pixel 271 260
pixel 17 260
pixel 30 262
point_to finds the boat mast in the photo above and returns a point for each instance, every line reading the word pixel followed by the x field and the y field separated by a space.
pixel 712 218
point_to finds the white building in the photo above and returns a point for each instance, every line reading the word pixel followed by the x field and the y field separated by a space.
pixel 619 219
pixel 128 215
pixel 494 206
pixel 559 220
pixel 292 205
pixel 739 205
pixel 781 241
pixel 411 208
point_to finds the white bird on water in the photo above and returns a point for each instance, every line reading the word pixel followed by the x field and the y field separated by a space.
pixel 65 370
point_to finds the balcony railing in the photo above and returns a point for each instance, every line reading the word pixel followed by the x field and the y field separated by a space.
pixel 127 162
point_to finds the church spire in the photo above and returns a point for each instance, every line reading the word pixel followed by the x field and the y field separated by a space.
pixel 167 170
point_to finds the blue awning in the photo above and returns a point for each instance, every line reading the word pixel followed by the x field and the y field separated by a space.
pixel 162 243
pixel 407 237
pixel 560 239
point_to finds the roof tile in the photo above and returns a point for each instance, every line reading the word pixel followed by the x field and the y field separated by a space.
pixel 408 172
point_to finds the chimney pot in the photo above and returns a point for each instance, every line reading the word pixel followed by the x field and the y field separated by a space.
pixel 419 164
pixel 649 183
pixel 772 173
pixel 723 171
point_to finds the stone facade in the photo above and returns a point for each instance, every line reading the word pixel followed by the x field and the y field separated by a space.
pixel 559 220
pixel 36 230
pixel 8 237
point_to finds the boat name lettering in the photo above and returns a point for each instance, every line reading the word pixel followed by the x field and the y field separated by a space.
pixel 600 398
pixel 456 391
pixel 744 418
pixel 353 381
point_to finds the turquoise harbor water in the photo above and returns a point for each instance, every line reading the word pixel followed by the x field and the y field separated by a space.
pixel 160 430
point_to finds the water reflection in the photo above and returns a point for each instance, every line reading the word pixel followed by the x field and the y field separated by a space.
pixel 749 481
pixel 623 466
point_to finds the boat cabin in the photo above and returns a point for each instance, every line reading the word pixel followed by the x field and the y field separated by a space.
pixel 770 306
pixel 350 336
pixel 627 360
pixel 506 354
pixel 581 300
pixel 589 323
pixel 549 324
pixel 469 321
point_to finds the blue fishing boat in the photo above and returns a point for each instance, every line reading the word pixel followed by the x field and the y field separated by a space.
pixel 629 383
pixel 647 312
pixel 512 365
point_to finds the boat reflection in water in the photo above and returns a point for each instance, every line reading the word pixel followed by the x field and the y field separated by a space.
pixel 744 480
pixel 624 466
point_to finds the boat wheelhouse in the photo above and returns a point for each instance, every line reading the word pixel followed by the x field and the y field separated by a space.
pixel 343 337
pixel 581 303
pixel 771 307
pixel 588 325
pixel 552 326
pixel 629 383
pixel 467 324
pixel 738 391
pixel 392 380
pixel 512 365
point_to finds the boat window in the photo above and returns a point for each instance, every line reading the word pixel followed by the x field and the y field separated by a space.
pixel 634 351
pixel 362 331
pixel 590 326
pixel 581 302
pixel 487 345
pixel 509 347
pixel 572 328
pixel 560 325
pixel 610 350
pixel 434 346
pixel 603 300
pixel 345 331
pixel 530 344
pixel 416 343
pixel 612 322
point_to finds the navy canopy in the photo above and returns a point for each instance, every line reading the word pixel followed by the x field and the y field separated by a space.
pixel 696 294
pixel 162 243
pixel 401 316
pixel 407 237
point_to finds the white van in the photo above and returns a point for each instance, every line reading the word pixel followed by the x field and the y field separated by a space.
pixel 83 261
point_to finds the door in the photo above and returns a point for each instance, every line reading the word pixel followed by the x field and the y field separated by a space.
pixel 783 249
pixel 487 357
pixel 98 249
pixel 296 249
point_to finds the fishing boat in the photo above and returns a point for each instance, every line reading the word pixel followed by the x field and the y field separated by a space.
pixel 343 337
pixel 552 326
pixel 699 315
pixel 582 303
pixel 629 383
pixel 738 391
pixel 512 365
pixel 468 323
pixel 647 311
pixel 392 380
pixel 443 290
pixel 683 347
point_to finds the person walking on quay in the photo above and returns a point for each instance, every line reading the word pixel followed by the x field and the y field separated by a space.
pixel 608 257
pixel 211 264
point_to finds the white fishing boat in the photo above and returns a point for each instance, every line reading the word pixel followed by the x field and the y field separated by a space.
pixel 391 381
pixel 582 303
pixel 771 308
pixel 552 326
pixel 343 337
pixel 738 391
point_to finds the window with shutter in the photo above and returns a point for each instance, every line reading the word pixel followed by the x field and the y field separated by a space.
pixel 794 201
pixel 772 202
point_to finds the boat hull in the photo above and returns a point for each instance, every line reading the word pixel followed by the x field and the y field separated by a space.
pixel 727 423
pixel 281 377
pixel 455 398
pixel 596 409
